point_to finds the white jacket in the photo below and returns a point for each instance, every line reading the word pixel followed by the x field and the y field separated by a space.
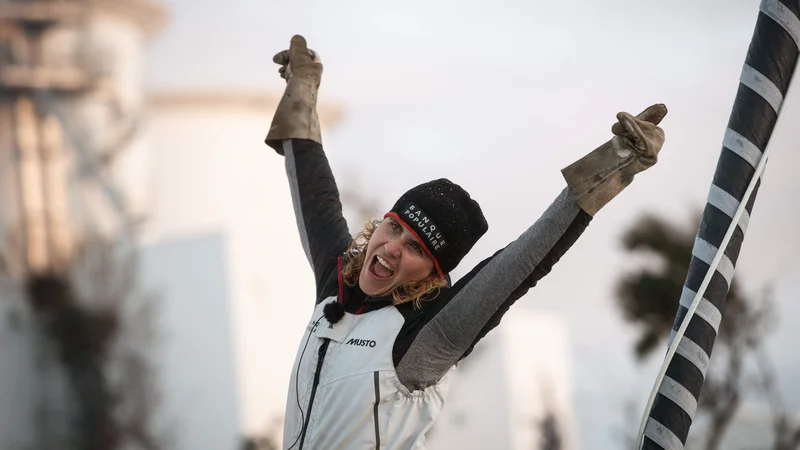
pixel 357 401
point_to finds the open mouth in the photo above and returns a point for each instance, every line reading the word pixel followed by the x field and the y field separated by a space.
pixel 380 269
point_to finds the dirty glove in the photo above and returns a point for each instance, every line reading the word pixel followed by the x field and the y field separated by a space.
pixel 287 70
pixel 599 176
pixel 296 115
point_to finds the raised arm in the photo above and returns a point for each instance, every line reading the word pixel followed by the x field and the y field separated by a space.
pixel 477 302
pixel 295 133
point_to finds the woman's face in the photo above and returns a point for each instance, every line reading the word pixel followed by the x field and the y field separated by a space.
pixel 394 257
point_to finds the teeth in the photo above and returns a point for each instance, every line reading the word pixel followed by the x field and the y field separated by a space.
pixel 384 263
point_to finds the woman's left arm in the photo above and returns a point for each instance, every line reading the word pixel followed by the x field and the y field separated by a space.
pixel 477 302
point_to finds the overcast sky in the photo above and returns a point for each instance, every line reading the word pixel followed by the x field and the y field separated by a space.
pixel 499 96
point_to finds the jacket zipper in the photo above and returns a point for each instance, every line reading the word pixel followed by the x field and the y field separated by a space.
pixel 322 350
pixel 375 410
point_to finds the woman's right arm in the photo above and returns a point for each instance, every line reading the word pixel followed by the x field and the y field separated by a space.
pixel 295 133
pixel 317 208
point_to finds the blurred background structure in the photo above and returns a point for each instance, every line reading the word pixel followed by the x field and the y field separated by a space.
pixel 75 363
pixel 153 287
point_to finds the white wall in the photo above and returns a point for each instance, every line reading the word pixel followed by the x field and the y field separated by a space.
pixel 194 348
pixel 212 172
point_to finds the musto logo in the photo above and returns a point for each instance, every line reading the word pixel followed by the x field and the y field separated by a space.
pixel 361 342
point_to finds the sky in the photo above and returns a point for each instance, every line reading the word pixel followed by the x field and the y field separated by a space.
pixel 499 97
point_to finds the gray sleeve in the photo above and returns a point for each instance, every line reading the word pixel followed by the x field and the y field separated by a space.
pixel 318 211
pixel 483 295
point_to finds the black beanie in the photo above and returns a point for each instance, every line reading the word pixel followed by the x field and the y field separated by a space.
pixel 445 219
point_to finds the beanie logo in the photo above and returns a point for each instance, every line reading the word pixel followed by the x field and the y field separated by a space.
pixel 424 226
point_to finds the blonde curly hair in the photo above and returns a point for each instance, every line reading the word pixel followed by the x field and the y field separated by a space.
pixel 412 291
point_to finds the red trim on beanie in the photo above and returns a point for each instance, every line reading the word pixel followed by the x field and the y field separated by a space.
pixel 422 242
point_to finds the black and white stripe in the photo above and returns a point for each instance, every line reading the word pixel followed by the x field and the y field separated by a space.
pixel 765 79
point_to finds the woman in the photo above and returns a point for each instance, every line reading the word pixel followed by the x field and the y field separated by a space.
pixel 373 367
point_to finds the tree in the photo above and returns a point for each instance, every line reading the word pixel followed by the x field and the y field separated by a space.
pixel 268 439
pixel 99 326
pixel 649 298
pixel 550 433
pixel 548 426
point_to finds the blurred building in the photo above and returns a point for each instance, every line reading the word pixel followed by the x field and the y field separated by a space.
pixel 82 148
pixel 514 392
pixel 195 343
pixel 219 197
pixel 71 107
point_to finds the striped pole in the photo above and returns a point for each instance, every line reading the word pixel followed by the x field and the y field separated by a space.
pixel 765 79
